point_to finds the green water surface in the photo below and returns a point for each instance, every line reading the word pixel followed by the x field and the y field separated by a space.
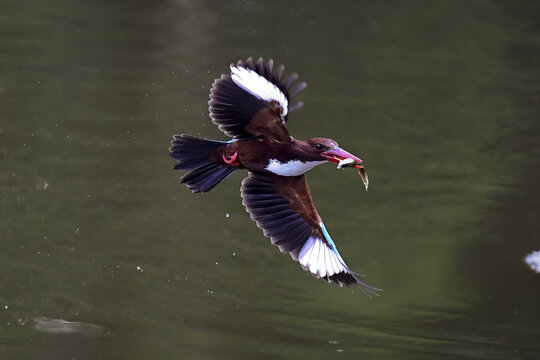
pixel 440 98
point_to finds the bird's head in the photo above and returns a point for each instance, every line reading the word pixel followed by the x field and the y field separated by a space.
pixel 329 150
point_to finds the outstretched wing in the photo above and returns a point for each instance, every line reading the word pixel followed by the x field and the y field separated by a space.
pixel 283 208
pixel 254 100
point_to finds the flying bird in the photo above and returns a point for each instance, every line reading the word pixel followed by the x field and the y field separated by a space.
pixel 252 105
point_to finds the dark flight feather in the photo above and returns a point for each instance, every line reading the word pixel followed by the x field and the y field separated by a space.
pixel 232 108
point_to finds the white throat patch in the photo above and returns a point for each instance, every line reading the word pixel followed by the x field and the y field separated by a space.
pixel 291 167
pixel 258 86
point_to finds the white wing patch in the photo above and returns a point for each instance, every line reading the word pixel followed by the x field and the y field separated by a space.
pixel 319 259
pixel 259 86
pixel 291 167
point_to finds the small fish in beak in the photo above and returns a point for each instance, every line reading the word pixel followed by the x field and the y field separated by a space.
pixel 345 159
pixel 364 177
pixel 345 162
pixel 351 162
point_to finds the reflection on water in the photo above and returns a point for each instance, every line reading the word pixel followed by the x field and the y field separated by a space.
pixel 439 99
pixel 60 326
pixel 533 260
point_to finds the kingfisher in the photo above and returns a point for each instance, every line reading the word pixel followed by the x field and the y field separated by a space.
pixel 251 104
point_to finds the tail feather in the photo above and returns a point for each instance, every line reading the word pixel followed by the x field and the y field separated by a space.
pixel 206 178
pixel 194 154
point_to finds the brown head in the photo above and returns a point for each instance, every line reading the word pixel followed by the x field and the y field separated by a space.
pixel 323 149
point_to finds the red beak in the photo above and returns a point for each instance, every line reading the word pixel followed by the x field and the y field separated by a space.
pixel 337 154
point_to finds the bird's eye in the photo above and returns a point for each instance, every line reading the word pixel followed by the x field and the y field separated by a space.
pixel 320 146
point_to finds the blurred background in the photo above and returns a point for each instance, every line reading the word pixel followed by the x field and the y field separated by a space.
pixel 104 255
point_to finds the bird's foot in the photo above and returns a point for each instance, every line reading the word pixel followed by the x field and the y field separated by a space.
pixel 231 160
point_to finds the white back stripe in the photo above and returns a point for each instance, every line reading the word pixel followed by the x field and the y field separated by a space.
pixel 259 86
